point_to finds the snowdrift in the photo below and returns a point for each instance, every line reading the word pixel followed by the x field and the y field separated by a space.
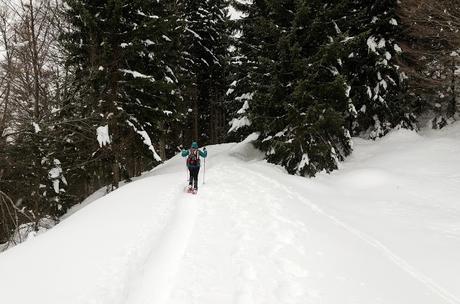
pixel 383 229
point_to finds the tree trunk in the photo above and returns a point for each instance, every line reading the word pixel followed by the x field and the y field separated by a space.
pixel 195 115
pixel 5 109
pixel 35 61
pixel 221 122
pixel 162 141
pixel 212 118
pixel 453 102
pixel 456 91
pixel 117 140
pixel 9 62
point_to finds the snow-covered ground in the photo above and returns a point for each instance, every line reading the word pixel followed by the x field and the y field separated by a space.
pixel 383 229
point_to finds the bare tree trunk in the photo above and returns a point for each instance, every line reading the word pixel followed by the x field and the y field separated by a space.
pixel 5 109
pixel 35 61
pixel 457 101
pixel 112 113
pixel 213 117
pixel 195 114
pixel 221 131
pixel 430 39
pixel 452 104
pixel 162 141
pixel 8 78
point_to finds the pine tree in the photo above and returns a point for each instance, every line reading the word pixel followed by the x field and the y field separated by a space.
pixel 315 63
pixel 204 52
pixel 153 102
pixel 124 57
pixel 376 83
pixel 244 76
pixel 300 99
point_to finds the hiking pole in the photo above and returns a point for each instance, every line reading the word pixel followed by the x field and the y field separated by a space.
pixel 204 170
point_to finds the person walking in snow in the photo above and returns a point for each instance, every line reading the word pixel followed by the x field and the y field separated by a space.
pixel 193 163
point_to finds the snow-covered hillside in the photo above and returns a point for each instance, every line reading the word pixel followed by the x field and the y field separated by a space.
pixel 383 229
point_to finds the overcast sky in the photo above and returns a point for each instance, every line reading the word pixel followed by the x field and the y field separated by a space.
pixel 234 14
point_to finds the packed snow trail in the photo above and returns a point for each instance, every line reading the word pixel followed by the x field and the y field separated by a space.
pixel 256 253
pixel 383 229
pixel 157 275
pixel 399 261
pixel 90 256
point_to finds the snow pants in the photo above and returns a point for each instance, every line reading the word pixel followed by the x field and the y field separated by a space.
pixel 193 180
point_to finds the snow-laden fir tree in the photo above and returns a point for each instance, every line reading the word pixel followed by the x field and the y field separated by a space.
pixel 152 98
pixel 375 83
pixel 243 58
pixel 123 55
pixel 322 70
pixel 300 98
pixel 204 44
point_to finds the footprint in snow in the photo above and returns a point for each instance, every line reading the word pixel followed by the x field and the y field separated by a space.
pixel 285 238
pixel 243 297
pixel 249 273
pixel 289 291
pixel 293 268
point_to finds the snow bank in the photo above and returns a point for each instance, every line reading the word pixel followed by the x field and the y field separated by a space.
pixel 91 255
pixel 384 229
pixel 246 151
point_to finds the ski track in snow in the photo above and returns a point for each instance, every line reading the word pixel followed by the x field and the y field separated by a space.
pixel 416 274
pixel 288 288
pixel 255 235
pixel 234 267
pixel 237 253
pixel 157 276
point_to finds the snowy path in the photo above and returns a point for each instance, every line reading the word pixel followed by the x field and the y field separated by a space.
pixel 157 275
pixel 384 229
pixel 251 250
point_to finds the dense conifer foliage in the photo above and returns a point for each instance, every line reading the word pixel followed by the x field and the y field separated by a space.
pixel 93 92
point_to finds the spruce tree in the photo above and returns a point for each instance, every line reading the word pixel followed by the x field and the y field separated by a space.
pixel 299 102
pixel 249 35
pixel 153 100
pixel 321 70
pixel 376 84
pixel 123 53
pixel 204 43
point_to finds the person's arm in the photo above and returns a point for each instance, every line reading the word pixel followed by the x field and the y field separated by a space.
pixel 185 153
pixel 204 153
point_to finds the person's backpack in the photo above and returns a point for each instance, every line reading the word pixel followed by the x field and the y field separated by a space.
pixel 193 158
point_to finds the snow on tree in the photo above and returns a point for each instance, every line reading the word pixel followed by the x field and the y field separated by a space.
pixel 299 97
pixel 243 66
pixel 124 54
pixel 371 68
pixel 204 41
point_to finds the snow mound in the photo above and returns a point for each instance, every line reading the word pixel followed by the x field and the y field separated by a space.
pixel 246 151
pixel 364 179
pixel 400 136
pixel 383 229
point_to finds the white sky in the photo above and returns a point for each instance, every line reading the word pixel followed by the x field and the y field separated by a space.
pixel 234 14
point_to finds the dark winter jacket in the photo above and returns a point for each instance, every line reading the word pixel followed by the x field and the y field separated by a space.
pixel 186 153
